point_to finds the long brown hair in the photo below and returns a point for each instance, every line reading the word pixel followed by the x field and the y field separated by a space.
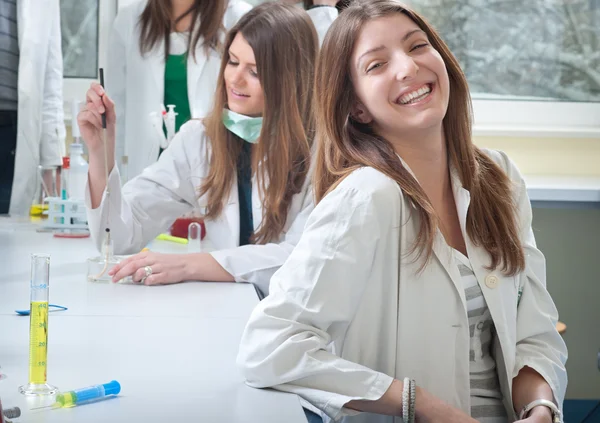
pixel 345 145
pixel 285 47
pixel 156 24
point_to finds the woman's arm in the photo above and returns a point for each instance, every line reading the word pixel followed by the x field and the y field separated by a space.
pixel 256 263
pixel 529 386
pixel 541 352
pixel 429 409
pixel 149 203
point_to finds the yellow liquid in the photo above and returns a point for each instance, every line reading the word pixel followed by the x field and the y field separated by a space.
pixel 38 342
pixel 37 209
pixel 66 399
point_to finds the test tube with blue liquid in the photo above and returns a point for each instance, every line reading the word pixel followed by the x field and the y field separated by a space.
pixel 85 395
pixel 38 328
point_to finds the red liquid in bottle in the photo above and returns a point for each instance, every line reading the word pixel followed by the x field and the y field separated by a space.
pixel 180 227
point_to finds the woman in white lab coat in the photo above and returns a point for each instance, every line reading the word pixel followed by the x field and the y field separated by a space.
pixel 245 166
pixel 418 261
pixel 41 129
pixel 163 52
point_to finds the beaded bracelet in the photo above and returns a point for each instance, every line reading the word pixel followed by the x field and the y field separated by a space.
pixel 405 400
pixel 413 397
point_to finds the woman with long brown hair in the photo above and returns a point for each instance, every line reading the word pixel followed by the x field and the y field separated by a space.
pixel 416 289
pixel 246 166
pixel 163 52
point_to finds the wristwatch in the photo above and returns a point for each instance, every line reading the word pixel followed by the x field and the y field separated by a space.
pixel 556 415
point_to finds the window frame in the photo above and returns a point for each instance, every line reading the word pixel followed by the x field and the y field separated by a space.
pixel 512 117
pixel 492 117
pixel 536 119
pixel 75 88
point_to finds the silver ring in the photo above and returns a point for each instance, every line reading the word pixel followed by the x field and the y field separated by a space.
pixel 148 271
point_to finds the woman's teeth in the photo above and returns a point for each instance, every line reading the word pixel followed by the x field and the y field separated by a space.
pixel 238 93
pixel 416 96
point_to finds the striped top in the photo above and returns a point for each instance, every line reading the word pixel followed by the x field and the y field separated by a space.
pixel 486 397
pixel 9 55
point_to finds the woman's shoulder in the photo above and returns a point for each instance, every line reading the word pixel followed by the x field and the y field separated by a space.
pixel 502 160
pixel 367 185
pixel 126 21
pixel 191 139
pixel 235 10
pixel 131 12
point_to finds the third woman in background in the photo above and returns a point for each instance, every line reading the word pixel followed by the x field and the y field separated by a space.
pixel 163 52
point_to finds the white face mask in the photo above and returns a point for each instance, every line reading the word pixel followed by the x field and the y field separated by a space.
pixel 246 127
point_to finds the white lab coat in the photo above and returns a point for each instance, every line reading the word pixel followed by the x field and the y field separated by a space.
pixel 148 204
pixel 322 17
pixel 349 311
pixel 136 83
pixel 40 126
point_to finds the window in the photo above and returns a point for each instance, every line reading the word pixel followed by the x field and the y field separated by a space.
pixel 79 30
pixel 533 66
pixel 85 27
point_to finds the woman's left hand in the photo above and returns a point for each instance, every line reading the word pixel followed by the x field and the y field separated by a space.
pixel 162 268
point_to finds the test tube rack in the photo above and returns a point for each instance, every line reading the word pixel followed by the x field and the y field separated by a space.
pixel 65 214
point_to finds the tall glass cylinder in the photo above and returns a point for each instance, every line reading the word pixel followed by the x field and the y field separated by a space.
pixel 38 327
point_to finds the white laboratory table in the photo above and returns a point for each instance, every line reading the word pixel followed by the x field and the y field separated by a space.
pixel 172 348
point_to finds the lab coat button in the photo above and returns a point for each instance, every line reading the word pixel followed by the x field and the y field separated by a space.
pixel 491 281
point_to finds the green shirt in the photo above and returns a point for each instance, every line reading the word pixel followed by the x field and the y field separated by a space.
pixel 176 88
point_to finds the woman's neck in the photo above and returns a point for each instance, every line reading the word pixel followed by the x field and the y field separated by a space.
pixel 426 155
pixel 178 8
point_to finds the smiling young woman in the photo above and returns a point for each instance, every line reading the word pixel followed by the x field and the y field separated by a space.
pixel 416 289
pixel 246 166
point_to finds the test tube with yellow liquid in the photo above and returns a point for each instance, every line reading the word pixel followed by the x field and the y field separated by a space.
pixel 38 328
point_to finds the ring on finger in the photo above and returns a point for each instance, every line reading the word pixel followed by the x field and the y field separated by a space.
pixel 148 272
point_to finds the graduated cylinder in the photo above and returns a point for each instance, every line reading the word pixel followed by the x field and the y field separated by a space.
pixel 38 327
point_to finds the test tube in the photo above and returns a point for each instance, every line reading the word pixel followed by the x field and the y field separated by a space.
pixel 194 238
pixel 38 327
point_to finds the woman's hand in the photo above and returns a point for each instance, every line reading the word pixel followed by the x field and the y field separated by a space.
pixel 90 120
pixel 165 268
pixel 90 125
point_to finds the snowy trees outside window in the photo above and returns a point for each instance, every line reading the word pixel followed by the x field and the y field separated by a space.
pixel 523 49
pixel 79 29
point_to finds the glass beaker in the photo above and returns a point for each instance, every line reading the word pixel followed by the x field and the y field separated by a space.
pixel 47 186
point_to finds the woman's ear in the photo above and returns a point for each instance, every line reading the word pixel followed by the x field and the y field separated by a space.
pixel 360 113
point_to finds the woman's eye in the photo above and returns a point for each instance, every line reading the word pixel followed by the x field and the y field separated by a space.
pixel 418 46
pixel 374 66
